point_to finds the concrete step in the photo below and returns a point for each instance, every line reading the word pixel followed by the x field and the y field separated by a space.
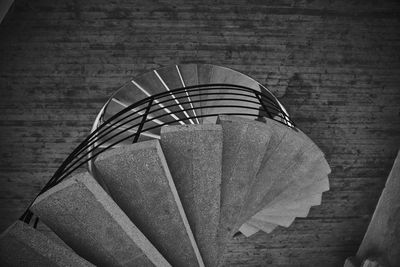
pixel 134 114
pixel 173 79
pixel 85 217
pixel 288 159
pixel 266 227
pixel 245 142
pixel 281 216
pixel 295 208
pixel 284 221
pixel 189 75
pixel 383 234
pixel 248 230
pixel 194 156
pixel 139 180
pixel 21 245
pixel 131 93
pixel 204 72
pixel 292 200
pixel 300 212
pixel 295 199
pixel 215 74
pixel 124 135
pixel 283 211
pixel 151 84
pixel 228 76
pixel 225 75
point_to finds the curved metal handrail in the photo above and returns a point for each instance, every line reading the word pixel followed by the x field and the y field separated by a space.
pixel 137 119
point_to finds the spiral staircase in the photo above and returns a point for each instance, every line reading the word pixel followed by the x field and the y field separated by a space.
pixel 179 160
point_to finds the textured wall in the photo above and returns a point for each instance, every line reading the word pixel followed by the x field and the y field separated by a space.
pixel 335 65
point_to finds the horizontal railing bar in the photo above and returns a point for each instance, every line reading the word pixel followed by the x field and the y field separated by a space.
pixel 93 144
pixel 128 137
pixel 153 118
pixel 147 129
pixel 195 101
pixel 218 93
pixel 136 125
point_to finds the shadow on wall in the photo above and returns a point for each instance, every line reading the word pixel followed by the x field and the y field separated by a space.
pixel 297 95
pixel 299 99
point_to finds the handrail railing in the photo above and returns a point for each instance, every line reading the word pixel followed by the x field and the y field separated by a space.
pixel 186 104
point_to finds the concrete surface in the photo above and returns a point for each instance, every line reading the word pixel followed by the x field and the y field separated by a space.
pixel 194 157
pixel 22 245
pixel 81 213
pixel 245 143
pixel 382 238
pixel 140 182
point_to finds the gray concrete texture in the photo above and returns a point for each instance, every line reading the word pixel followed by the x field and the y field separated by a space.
pixel 209 74
pixel 382 238
pixel 22 245
pixel 173 79
pixel 293 194
pixel 310 179
pixel 289 159
pixel 248 229
pixel 140 182
pixel 194 156
pixel 152 84
pixel 244 146
pixel 189 73
pixel 85 217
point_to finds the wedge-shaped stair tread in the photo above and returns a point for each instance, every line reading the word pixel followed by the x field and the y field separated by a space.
pixel 194 156
pixel 283 209
pixel 284 221
pixel 383 234
pixel 298 208
pixel 292 200
pixel 151 83
pixel 245 142
pixel 138 179
pixel 211 74
pixel 173 79
pixel 133 92
pixel 294 204
pixel 266 227
pixel 248 230
pixel 21 245
pixel 81 213
pixel 289 158
pixel 129 94
pixel 267 219
pixel 296 198
pixel 131 118
pixel 189 75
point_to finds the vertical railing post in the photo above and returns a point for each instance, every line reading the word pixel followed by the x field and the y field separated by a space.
pixel 143 121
